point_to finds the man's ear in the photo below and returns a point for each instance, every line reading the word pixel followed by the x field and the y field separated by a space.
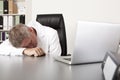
pixel 30 29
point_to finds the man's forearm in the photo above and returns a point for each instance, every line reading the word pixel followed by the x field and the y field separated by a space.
pixel 33 51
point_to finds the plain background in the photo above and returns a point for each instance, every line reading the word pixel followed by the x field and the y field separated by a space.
pixel 74 10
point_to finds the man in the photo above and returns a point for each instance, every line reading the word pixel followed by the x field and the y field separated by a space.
pixel 31 40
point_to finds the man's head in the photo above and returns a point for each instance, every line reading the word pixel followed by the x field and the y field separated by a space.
pixel 23 36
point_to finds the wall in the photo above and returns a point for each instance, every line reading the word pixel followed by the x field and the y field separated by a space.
pixel 28 7
pixel 74 10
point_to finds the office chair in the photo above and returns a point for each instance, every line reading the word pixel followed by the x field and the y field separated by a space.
pixel 56 22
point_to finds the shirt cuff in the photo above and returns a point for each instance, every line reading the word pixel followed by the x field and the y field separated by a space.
pixel 18 52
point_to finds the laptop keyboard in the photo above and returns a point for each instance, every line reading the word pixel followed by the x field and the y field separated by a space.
pixel 69 59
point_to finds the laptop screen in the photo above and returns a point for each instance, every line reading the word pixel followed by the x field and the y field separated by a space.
pixel 93 40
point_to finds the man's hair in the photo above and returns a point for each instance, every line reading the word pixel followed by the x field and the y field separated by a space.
pixel 17 34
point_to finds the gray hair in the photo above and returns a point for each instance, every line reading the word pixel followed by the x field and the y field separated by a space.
pixel 17 34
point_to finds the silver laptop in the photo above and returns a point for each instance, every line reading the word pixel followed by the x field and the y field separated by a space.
pixel 93 40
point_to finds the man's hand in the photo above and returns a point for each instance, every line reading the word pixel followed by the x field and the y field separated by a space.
pixel 33 52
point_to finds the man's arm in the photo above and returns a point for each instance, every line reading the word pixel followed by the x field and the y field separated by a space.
pixel 7 49
pixel 34 52
pixel 54 47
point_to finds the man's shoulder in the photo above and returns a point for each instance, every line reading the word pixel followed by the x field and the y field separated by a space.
pixel 5 43
pixel 49 30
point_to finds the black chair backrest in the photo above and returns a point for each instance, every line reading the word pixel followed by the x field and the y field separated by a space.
pixel 56 22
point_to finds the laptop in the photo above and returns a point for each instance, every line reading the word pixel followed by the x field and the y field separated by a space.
pixel 93 40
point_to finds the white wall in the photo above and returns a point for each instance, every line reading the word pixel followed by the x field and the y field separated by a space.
pixel 74 10
pixel 28 7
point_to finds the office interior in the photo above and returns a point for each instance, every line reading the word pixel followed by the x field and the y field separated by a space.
pixel 73 11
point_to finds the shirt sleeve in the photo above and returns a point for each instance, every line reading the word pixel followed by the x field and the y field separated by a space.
pixel 8 50
pixel 54 47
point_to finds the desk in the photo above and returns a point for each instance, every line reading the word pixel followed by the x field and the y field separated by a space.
pixel 46 68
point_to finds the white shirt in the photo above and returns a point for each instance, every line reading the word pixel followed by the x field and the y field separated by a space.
pixel 47 40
